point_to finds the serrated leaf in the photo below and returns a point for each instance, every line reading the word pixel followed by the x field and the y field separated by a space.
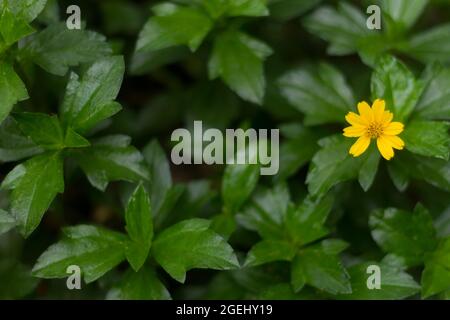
pixel 436 275
pixel 430 45
pixel 269 251
pixel 111 158
pixel 305 224
pixel 238 183
pixel 14 145
pixel 34 184
pixel 396 84
pixel 395 283
pixel 57 48
pixel 90 100
pixel 12 89
pixel 404 12
pixel 174 25
pixel 407 235
pixel 238 59
pixel 43 129
pixel 343 28
pixel 435 100
pixel 95 250
pixel 195 245
pixel 332 164
pixel 12 27
pixel 428 138
pixel 321 269
pixel 139 226
pixel 26 9
pixel 434 171
pixel 141 285
pixel 266 212
pixel 7 222
pixel 321 93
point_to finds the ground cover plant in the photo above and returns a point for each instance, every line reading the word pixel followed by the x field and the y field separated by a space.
pixel 88 180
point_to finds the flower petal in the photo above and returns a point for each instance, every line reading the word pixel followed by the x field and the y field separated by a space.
pixel 378 109
pixel 395 141
pixel 393 128
pixel 385 148
pixel 365 111
pixel 354 131
pixel 387 118
pixel 360 146
pixel 355 119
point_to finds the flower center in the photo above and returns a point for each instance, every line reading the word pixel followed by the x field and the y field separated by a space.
pixel 374 130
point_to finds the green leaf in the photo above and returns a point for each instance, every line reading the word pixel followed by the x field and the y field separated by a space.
pixel 322 269
pixel 74 140
pixel 26 9
pixel 297 150
pixel 343 28
pixel 321 93
pixel 407 235
pixel 266 212
pixel 14 145
pixel 90 100
pixel 428 138
pixel 395 83
pixel 12 89
pixel 395 283
pixel 162 194
pixel 34 185
pixel 435 100
pixel 194 245
pixel 238 183
pixel 434 171
pixel 7 222
pixel 141 285
pixel 174 25
pixel 238 59
pixel 288 9
pixel 250 8
pixel 95 250
pixel 305 224
pixel 16 280
pixel 333 164
pixel 430 45
pixel 369 168
pixel 57 48
pixel 43 129
pixel 436 275
pixel 404 12
pixel 138 217
pixel 12 27
pixel 111 158
pixel 269 251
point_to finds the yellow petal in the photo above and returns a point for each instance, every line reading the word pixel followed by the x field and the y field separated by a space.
pixel 355 119
pixel 365 111
pixel 360 146
pixel 387 118
pixel 385 148
pixel 378 109
pixel 393 128
pixel 354 131
pixel 395 141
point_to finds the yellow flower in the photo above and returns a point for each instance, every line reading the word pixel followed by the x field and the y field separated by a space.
pixel 374 123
